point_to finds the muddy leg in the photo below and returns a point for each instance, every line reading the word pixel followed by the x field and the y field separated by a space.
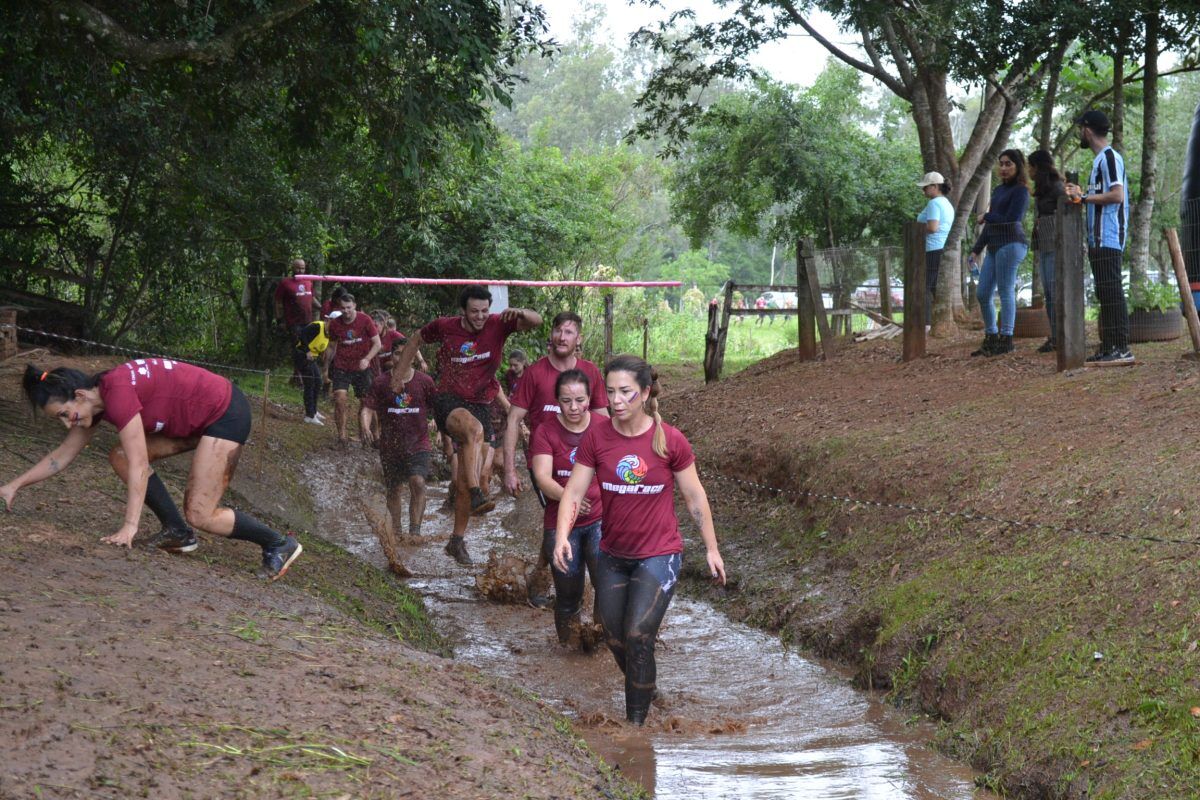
pixel 416 505
pixel 650 590
pixel 612 588
pixel 212 469
pixel 158 499
pixel 341 402
pixel 462 498
pixel 395 506
pixel 468 433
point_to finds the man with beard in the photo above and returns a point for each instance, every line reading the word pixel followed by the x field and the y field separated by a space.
pixel 472 347
pixel 536 402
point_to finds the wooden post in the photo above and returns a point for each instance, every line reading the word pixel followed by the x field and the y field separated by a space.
pixel 885 285
pixel 608 327
pixel 645 339
pixel 914 290
pixel 809 257
pixel 723 332
pixel 262 423
pixel 8 333
pixel 1070 334
pixel 711 339
pixel 806 314
pixel 1185 290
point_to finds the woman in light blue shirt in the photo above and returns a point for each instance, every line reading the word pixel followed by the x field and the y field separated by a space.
pixel 938 216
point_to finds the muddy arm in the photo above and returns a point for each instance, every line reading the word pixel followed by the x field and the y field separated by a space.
pixel 50 465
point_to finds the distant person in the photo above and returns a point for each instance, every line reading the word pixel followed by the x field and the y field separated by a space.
pixel 638 460
pixel 472 346
pixel 312 341
pixel 517 362
pixel 1048 187
pixel 404 448
pixel 552 452
pixel 354 341
pixel 160 408
pixel 1004 237
pixel 536 401
pixel 295 306
pixel 1107 223
pixel 331 304
pixel 938 216
pixel 760 305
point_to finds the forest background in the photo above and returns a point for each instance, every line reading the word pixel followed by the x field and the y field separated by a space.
pixel 161 164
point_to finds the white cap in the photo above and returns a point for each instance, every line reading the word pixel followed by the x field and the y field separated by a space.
pixel 931 178
pixel 334 315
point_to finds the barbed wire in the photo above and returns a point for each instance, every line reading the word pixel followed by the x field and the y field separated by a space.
pixel 135 352
pixel 970 516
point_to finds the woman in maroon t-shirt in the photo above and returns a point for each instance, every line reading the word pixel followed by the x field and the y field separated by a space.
pixel 638 460
pixel 552 455
pixel 160 408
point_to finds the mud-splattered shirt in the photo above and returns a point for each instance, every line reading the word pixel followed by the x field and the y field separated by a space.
pixel 173 399
pixel 554 440
pixel 535 391
pixel 468 360
pixel 403 426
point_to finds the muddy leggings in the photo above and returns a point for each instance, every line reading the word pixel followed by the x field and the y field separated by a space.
pixel 632 595
pixel 568 586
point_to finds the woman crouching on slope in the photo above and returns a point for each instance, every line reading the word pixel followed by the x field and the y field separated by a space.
pixel 160 408
pixel 638 460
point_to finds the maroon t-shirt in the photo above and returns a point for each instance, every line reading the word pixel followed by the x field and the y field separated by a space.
pixel 468 361
pixel 353 340
pixel 175 399
pixel 297 299
pixel 637 487
pixel 554 440
pixel 402 417
pixel 535 391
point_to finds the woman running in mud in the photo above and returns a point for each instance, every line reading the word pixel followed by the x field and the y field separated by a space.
pixel 552 455
pixel 160 408
pixel 639 460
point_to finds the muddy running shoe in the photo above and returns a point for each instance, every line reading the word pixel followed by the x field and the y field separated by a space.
pixel 277 560
pixel 456 548
pixel 480 502
pixel 1047 346
pixel 175 540
pixel 1112 358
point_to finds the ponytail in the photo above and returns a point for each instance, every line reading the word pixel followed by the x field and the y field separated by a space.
pixel 42 386
pixel 647 378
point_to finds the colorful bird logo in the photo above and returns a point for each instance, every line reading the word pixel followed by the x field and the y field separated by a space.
pixel 631 469
pixel 467 349
pixel 402 400
pixel 571 455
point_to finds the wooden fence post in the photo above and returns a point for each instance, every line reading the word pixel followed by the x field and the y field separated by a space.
pixel 723 332
pixel 712 340
pixel 645 339
pixel 8 333
pixel 1185 291
pixel 1070 334
pixel 885 284
pixel 608 327
pixel 806 315
pixel 914 290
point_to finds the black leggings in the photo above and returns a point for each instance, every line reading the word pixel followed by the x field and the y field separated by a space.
pixel 568 586
pixel 1114 316
pixel 632 595
pixel 307 369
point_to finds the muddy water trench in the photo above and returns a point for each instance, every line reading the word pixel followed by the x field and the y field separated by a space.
pixel 738 716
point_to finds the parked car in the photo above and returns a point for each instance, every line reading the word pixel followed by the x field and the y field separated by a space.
pixel 867 294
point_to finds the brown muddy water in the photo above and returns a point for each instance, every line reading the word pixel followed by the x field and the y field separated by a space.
pixel 739 715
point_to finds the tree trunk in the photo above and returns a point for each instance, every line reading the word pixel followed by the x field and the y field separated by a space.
pixel 1045 131
pixel 259 306
pixel 1118 116
pixel 1140 232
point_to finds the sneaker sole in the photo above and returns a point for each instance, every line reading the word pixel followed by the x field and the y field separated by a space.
pixel 283 570
pixel 1127 363
pixel 483 508
pixel 187 548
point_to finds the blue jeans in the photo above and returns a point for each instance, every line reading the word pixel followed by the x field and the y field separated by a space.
pixel 568 586
pixel 1046 267
pixel 999 274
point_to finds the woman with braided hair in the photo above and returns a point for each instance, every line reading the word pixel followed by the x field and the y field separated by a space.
pixel 160 408
pixel 638 460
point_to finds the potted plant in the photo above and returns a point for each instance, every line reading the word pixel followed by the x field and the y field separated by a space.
pixel 1154 313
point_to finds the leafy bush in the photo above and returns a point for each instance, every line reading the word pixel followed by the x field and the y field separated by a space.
pixel 1151 296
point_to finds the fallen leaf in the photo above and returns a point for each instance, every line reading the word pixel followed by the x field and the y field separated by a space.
pixel 1143 744
pixel 1085 762
pixel 1191 648
pixel 895 570
pixel 1175 603
pixel 1195 711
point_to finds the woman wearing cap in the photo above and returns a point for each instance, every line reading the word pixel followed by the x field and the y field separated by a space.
pixel 638 460
pixel 160 408
pixel 1004 237
pixel 1048 186
pixel 938 216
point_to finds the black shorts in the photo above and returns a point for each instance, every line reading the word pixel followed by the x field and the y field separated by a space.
pixel 397 471
pixel 234 424
pixel 343 379
pixel 445 402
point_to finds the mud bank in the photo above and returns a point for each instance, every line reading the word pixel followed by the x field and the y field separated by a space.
pixel 1059 663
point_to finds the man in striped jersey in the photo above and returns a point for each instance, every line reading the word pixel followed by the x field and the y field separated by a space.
pixel 1107 226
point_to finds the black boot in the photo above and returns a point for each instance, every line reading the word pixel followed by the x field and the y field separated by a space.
pixel 989 345
pixel 1003 345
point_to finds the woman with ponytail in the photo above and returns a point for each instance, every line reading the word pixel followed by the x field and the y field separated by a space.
pixel 160 408
pixel 638 460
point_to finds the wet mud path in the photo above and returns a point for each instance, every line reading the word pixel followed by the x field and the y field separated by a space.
pixel 739 716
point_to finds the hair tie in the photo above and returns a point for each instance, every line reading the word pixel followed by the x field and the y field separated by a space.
pixel 44 374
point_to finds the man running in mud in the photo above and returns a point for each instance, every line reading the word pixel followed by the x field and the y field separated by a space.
pixel 472 347
pixel 536 402
pixel 354 341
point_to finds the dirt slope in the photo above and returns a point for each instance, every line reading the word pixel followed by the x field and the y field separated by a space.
pixel 1064 664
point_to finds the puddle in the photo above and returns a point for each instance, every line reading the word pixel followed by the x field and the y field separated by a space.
pixel 789 727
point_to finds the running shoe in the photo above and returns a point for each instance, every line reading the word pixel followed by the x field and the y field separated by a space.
pixel 480 502
pixel 456 548
pixel 319 417
pixel 277 560
pixel 313 421
pixel 175 540
pixel 1047 346
pixel 1114 357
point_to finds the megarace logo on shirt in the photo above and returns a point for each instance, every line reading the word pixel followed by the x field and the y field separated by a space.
pixel 631 470
pixel 467 354
pixel 403 405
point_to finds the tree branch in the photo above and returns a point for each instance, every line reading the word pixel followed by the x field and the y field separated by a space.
pixel 880 74
pixel 132 47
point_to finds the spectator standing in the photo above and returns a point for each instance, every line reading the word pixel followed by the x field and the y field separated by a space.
pixel 1107 227
pixel 938 216
pixel 1004 237
pixel 1048 186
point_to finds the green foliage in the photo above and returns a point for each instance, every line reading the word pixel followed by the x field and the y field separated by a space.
pixel 1153 296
